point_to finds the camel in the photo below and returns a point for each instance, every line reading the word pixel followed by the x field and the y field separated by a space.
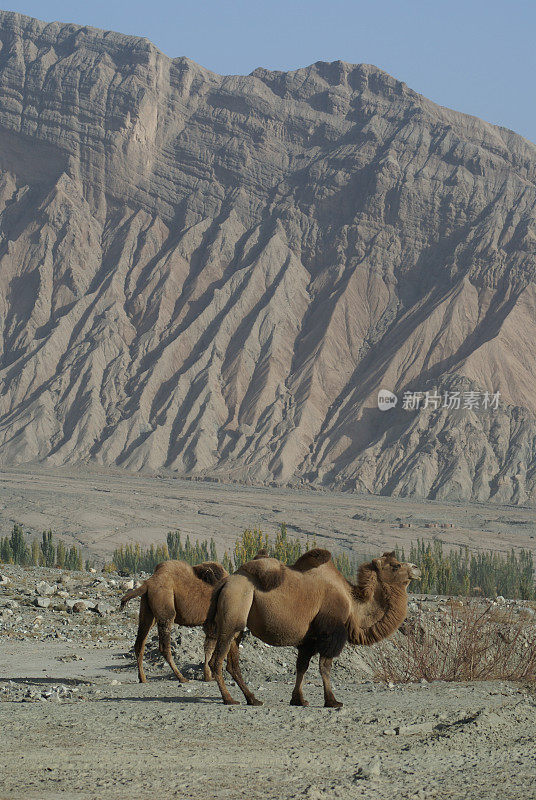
pixel 312 607
pixel 177 592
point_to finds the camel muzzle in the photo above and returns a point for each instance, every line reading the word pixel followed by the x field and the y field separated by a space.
pixel 414 572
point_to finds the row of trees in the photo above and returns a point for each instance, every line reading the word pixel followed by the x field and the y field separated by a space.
pixel 17 549
pixel 459 572
pixel 132 558
pixel 454 572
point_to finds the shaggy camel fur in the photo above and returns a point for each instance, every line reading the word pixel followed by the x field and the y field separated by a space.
pixel 310 606
pixel 177 592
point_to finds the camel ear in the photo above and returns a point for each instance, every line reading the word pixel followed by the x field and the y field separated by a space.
pixel 392 554
pixel 376 563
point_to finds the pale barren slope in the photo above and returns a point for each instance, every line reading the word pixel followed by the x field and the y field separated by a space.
pixel 216 274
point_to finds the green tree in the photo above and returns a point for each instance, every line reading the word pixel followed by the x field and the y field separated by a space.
pixel 6 553
pixel 48 549
pixel 174 545
pixel 227 564
pixel 36 553
pixel 61 555
pixel 73 559
pixel 19 548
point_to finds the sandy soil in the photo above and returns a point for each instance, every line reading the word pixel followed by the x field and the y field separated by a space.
pixel 160 740
pixel 102 509
pixel 76 724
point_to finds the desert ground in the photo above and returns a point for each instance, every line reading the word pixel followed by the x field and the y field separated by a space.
pixel 76 723
pixel 100 509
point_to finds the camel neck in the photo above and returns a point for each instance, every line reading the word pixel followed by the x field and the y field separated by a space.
pixel 395 602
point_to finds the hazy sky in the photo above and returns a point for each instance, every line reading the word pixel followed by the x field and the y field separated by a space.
pixel 473 56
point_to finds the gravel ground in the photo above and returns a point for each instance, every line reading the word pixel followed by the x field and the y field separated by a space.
pixel 76 724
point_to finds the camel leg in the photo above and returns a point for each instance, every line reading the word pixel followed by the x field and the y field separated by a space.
pixel 145 623
pixel 233 668
pixel 164 645
pixel 209 646
pixel 231 618
pixel 302 664
pixel 325 672
pixel 216 663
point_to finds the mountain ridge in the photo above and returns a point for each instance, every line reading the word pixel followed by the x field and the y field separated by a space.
pixel 216 274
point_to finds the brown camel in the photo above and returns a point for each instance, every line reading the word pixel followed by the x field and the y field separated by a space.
pixel 177 592
pixel 310 606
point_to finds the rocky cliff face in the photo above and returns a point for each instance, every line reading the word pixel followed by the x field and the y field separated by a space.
pixel 215 275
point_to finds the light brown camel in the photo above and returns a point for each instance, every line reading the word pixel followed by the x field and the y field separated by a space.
pixel 310 606
pixel 177 592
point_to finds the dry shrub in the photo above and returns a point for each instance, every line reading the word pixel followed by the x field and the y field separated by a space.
pixel 469 642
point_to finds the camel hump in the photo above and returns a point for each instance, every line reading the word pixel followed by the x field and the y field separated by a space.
pixel 266 572
pixel 311 559
pixel 210 572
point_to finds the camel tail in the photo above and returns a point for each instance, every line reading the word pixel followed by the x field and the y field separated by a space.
pixel 133 593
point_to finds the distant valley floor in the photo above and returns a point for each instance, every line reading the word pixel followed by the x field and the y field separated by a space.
pixel 100 510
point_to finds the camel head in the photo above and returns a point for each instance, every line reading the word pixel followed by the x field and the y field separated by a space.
pixel 384 581
pixel 381 575
pixel 390 572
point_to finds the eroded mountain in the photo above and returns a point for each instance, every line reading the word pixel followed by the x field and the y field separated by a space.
pixel 216 274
